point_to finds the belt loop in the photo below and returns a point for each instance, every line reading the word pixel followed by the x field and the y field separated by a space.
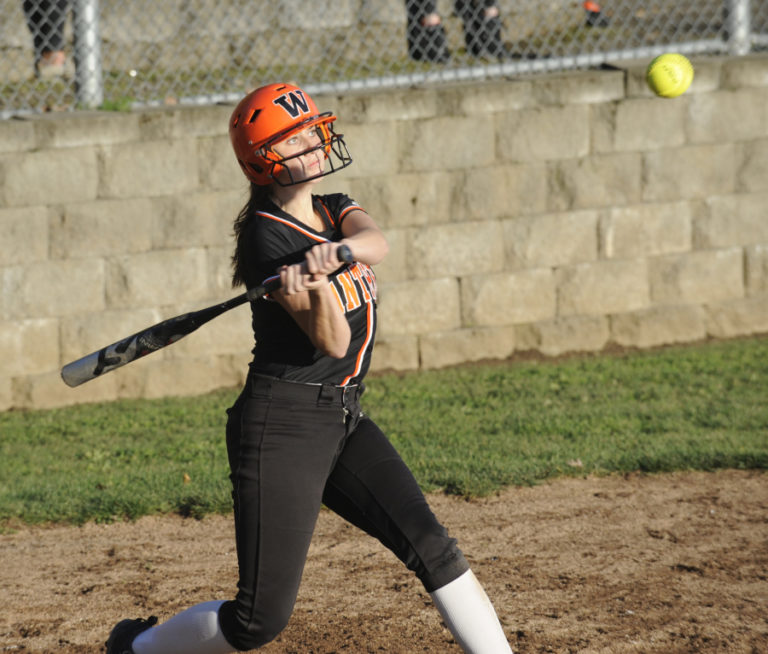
pixel 327 395
pixel 262 384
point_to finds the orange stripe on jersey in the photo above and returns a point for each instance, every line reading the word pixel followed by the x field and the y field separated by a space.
pixel 345 213
pixel 288 223
pixel 327 213
pixel 366 344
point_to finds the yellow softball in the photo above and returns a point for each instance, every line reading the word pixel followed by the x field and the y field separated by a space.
pixel 669 75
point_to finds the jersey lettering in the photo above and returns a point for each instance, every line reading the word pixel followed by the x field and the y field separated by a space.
pixel 349 289
pixel 293 102
pixel 337 296
pixel 369 279
pixel 356 286
pixel 357 273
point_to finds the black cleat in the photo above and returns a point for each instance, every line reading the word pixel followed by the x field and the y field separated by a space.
pixel 123 633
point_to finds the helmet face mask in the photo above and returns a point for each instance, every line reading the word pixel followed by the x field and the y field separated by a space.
pixel 332 147
pixel 270 115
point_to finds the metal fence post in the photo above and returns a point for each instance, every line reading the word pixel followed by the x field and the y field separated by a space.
pixel 89 86
pixel 738 27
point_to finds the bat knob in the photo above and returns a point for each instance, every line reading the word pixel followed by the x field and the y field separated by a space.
pixel 344 254
pixel 254 294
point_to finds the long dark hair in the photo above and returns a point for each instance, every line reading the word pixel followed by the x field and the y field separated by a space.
pixel 258 198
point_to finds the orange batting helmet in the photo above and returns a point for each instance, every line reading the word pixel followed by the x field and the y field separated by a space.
pixel 272 113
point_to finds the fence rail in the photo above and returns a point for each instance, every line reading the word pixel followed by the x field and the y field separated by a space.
pixel 109 54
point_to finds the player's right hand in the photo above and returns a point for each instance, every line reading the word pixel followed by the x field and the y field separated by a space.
pixel 319 262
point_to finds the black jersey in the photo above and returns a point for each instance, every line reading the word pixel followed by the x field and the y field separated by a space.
pixel 275 238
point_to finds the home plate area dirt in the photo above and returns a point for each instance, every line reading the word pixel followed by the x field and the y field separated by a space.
pixel 635 563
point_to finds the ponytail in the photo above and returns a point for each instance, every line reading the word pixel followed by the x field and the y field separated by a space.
pixel 259 197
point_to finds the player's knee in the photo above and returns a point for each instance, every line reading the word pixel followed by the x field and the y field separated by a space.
pixel 253 636
pixel 444 569
pixel 245 630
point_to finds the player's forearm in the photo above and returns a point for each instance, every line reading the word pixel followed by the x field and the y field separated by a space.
pixel 368 246
pixel 364 238
pixel 327 326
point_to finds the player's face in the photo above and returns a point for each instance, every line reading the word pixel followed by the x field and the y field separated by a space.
pixel 304 153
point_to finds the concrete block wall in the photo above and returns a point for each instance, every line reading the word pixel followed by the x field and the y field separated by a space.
pixel 560 213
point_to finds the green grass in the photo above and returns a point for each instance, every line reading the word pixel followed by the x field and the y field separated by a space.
pixel 469 430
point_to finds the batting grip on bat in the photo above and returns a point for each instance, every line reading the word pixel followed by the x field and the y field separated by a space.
pixel 343 253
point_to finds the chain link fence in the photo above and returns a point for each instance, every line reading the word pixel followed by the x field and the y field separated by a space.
pixel 110 54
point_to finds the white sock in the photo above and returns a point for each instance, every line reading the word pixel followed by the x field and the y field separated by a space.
pixel 470 616
pixel 194 631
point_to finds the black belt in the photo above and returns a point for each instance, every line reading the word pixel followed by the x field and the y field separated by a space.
pixel 324 394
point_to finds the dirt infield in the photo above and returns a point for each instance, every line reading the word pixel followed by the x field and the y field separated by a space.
pixel 670 563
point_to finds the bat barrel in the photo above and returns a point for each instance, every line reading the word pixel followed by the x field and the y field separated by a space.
pixel 82 370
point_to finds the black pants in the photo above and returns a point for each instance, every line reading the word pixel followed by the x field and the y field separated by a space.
pixel 466 9
pixel 45 19
pixel 482 35
pixel 293 447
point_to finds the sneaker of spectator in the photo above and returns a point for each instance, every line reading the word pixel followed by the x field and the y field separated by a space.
pixel 51 64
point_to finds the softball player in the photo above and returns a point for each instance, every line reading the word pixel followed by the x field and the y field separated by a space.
pixel 296 437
